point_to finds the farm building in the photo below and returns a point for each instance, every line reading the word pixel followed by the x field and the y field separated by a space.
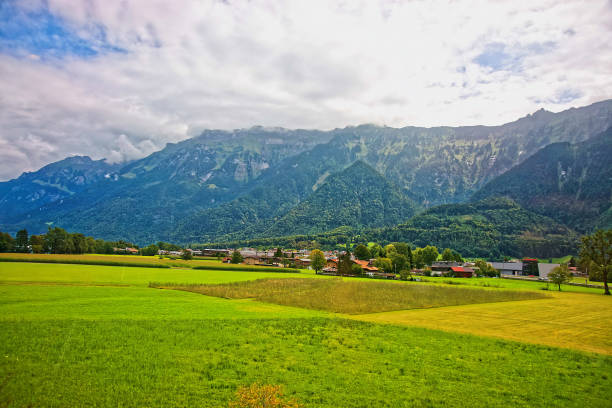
pixel 462 271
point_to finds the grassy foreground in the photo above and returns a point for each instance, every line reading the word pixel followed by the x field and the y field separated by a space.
pixel 74 343
pixel 134 347
pixel 352 297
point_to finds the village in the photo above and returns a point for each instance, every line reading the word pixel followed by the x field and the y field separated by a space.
pixel 525 268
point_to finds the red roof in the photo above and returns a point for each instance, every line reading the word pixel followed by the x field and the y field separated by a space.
pixel 365 265
pixel 457 269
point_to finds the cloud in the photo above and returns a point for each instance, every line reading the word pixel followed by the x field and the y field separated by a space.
pixel 120 79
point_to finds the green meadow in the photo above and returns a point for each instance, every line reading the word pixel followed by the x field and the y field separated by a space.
pixel 81 335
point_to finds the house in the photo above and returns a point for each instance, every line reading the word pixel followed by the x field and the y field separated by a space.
pixel 126 251
pixel 508 268
pixel 302 263
pixel 367 266
pixel 441 268
pixel 331 264
pixel 462 271
pixel 526 268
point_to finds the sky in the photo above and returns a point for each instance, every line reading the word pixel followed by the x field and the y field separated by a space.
pixel 120 79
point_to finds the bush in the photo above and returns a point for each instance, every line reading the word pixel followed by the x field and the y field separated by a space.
pixel 260 396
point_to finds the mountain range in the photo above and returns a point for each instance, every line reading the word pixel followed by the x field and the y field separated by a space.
pixel 371 180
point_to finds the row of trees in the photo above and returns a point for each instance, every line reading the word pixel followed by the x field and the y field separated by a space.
pixel 57 241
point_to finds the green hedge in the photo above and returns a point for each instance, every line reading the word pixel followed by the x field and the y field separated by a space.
pixel 87 262
pixel 246 268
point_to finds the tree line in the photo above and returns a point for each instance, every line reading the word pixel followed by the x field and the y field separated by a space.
pixel 59 241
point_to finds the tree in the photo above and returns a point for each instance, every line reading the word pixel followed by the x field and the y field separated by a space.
pixel 485 269
pixel 405 274
pixel 560 275
pixel 7 243
pixel 362 252
pixel 430 254
pixel 390 249
pixel 398 261
pixel 186 255
pixel 79 243
pixel 21 241
pixel 597 248
pixel 402 248
pixel 236 257
pixel 450 255
pixel 345 264
pixel 279 253
pixel 376 251
pixel 385 264
pixel 57 241
pixel 150 250
pixel 317 259
pixel 356 269
pixel 37 242
pixel 417 258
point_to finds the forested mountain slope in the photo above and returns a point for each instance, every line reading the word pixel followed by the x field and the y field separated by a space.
pixel 232 185
pixel 571 183
pixel 358 197
pixel 490 228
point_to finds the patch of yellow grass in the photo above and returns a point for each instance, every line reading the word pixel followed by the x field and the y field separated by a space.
pixel 351 297
pixel 571 320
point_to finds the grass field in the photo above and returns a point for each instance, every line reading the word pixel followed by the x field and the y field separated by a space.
pixel 133 260
pixel 99 274
pixel 76 344
pixel 510 284
pixel 353 297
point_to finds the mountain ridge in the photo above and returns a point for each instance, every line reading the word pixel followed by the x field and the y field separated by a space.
pixel 222 181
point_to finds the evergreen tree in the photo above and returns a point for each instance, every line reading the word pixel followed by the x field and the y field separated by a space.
pixel 21 241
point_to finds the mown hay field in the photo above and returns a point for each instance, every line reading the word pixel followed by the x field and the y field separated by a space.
pixel 352 297
pixel 573 320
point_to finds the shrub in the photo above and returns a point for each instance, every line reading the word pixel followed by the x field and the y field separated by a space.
pixel 261 396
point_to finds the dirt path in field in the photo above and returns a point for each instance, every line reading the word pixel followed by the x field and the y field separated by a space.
pixel 570 320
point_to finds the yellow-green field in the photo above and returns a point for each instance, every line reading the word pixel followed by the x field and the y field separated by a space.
pixel 573 320
pixel 121 275
pixel 92 335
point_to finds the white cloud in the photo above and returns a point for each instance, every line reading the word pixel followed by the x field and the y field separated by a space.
pixel 314 64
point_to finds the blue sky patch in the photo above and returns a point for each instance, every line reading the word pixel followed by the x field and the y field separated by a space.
pixel 496 57
pixel 501 57
pixel 46 35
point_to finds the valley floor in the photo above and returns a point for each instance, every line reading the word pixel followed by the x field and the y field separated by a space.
pixel 77 335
